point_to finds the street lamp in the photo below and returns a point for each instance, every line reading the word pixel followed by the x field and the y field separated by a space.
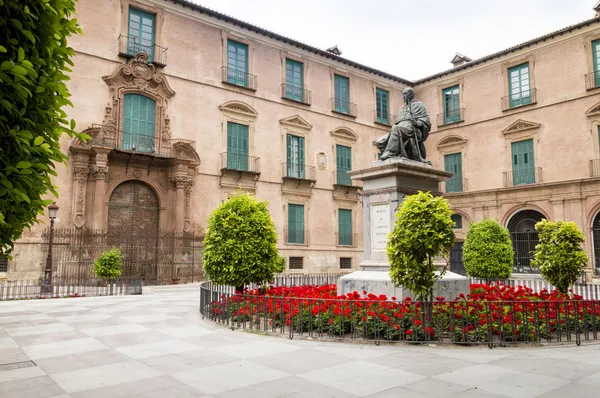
pixel 47 286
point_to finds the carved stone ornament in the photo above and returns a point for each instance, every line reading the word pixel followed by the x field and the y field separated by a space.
pixel 80 173
pixel 345 133
pixel 79 220
pixel 239 108
pixel 139 74
pixel 451 141
pixel 322 161
pixel 137 173
pixel 520 125
pixel 100 173
pixel 296 121
pixel 182 182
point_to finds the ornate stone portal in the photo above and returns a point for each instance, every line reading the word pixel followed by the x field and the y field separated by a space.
pixel 100 164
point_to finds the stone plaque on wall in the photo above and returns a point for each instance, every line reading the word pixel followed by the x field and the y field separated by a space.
pixel 380 226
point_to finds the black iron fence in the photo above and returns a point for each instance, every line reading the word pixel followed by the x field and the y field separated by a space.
pixel 516 100
pixel 344 107
pixel 459 322
pixel 240 162
pixel 387 119
pixel 298 171
pixel 592 80
pixel 522 176
pixel 294 93
pixel 451 116
pixel 238 77
pixel 155 258
pixel 129 46
pixel 69 287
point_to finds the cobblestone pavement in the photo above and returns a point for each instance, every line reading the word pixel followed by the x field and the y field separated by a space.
pixel 157 345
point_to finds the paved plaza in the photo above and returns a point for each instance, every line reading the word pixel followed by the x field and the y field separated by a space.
pixel 157 345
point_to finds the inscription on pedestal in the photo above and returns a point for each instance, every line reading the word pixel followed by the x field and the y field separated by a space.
pixel 380 226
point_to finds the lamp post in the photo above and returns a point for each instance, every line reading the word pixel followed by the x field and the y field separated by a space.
pixel 47 286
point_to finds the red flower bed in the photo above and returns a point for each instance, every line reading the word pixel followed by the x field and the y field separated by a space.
pixel 490 312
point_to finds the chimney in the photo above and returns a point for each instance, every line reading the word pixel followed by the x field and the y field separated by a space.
pixel 460 59
pixel 334 50
pixel 597 9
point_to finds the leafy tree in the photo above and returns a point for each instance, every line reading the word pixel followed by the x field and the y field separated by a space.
pixel 423 230
pixel 559 254
pixel 34 57
pixel 488 251
pixel 240 246
pixel 109 265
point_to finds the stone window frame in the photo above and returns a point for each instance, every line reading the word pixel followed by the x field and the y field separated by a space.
pixel 390 89
pixel 346 205
pixel 300 127
pixel 341 72
pixel 342 135
pixel 505 66
pixel 297 199
pixel 241 113
pixel 454 144
pixel 225 36
pixel 587 44
pixel 458 81
pixel 283 55
pixel 150 8
pixel 593 114
pixel 515 133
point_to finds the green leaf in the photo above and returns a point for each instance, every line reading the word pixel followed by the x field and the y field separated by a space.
pixel 23 165
pixel 29 35
pixel 21 55
pixel 7 65
pixel 2 49
pixel 38 141
pixel 19 70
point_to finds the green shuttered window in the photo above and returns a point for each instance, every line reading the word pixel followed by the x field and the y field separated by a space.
pixel 382 106
pixel 519 85
pixel 296 224
pixel 596 59
pixel 343 155
pixel 237 146
pixel 523 167
pixel 453 164
pixel 295 156
pixel 139 117
pixel 451 97
pixel 237 63
pixel 342 94
pixel 345 227
pixel 140 32
pixel 457 220
pixel 294 80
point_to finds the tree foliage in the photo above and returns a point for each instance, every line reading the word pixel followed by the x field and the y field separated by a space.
pixel 34 57
pixel 559 254
pixel 109 265
pixel 240 246
pixel 423 230
pixel 488 251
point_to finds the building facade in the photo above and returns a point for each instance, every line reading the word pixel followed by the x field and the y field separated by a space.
pixel 184 106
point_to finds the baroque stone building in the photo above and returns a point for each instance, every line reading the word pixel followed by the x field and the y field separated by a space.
pixel 184 106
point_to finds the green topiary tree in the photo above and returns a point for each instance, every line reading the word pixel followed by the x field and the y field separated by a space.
pixel 109 265
pixel 240 246
pixel 488 251
pixel 34 57
pixel 559 254
pixel 423 230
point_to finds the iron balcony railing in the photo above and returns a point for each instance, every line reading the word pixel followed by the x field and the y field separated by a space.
pixel 239 78
pixel 137 143
pixel 522 176
pixel 592 80
pixel 517 100
pixel 343 107
pixel 454 185
pixel 129 46
pixel 296 236
pixel 341 177
pixel 595 168
pixel 346 239
pixel 298 171
pixel 387 119
pixel 451 117
pixel 240 162
pixel 294 93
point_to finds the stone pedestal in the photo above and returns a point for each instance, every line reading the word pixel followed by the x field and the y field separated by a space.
pixel 385 185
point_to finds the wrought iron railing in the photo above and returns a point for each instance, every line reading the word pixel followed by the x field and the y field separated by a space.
pixel 523 246
pixel 520 99
pixel 69 287
pixel 451 117
pixel 298 171
pixel 296 236
pixel 522 176
pixel 240 162
pixel 294 93
pixel 343 107
pixel 455 185
pixel 129 46
pixel 387 119
pixel 341 177
pixel 238 78
pixel 595 168
pixel 346 239
pixel 592 80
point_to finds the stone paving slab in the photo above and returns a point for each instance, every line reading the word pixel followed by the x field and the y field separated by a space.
pixel 157 345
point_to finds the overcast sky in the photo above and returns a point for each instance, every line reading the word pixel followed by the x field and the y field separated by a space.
pixel 409 38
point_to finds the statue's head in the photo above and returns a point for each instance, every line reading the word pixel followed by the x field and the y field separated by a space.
pixel 408 94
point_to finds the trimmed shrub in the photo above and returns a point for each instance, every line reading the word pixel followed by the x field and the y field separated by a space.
pixel 488 251
pixel 559 254
pixel 109 265
pixel 240 246
pixel 423 230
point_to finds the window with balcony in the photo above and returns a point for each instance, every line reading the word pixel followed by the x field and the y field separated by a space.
pixel 139 118
pixel 519 85
pixel 237 64
pixel 342 94
pixel 382 108
pixel 295 233
pixel 345 227
pixel 141 33
pixel 523 167
pixel 453 164
pixel 295 157
pixel 596 61
pixel 237 146
pixel 294 80
pixel 451 99
pixel 343 156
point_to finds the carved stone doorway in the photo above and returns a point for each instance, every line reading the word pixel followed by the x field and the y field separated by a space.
pixel 133 226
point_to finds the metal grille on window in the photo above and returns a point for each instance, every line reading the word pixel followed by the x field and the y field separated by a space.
pixel 596 237
pixel 3 264
pixel 296 263
pixel 457 220
pixel 345 262
pixel 524 238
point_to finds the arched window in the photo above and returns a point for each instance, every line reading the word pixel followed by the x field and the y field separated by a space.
pixel 596 238
pixel 139 118
pixel 524 238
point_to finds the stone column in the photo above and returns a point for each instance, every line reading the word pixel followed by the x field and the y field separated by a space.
pixel 80 177
pixel 99 171
pixel 183 186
